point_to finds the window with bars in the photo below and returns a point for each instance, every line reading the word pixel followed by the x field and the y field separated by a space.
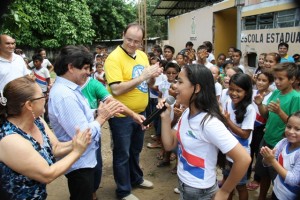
pixel 288 18
pixel 250 23
pixel 266 21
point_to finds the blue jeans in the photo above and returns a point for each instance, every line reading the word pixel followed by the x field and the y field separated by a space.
pixel 128 138
pixel 98 168
pixel 191 193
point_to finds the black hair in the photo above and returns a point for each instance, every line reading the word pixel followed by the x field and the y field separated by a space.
pixel 202 47
pixel 296 114
pixel 157 48
pixel 283 44
pixel 40 50
pixel 209 46
pixel 268 73
pixel 169 47
pixel 77 56
pixel 172 65
pixel 243 81
pixel 237 51
pixel 37 57
pixel 189 43
pixel 206 99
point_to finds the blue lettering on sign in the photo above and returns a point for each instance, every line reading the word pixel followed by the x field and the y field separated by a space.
pixel 136 72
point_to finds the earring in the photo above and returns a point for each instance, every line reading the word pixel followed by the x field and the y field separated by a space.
pixel 33 114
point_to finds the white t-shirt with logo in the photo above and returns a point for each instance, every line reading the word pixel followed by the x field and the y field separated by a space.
pixel 198 148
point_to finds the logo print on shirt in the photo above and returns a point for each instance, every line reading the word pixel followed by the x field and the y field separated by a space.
pixel 136 72
pixel 191 134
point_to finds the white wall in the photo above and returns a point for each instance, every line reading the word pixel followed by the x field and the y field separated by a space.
pixel 196 26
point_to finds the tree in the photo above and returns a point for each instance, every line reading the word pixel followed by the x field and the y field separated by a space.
pixel 110 17
pixel 157 26
pixel 49 23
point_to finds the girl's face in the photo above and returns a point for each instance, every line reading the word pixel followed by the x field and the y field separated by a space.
pixel 261 61
pixel 236 93
pixel 262 82
pixel 180 60
pixel 230 52
pixel 184 89
pixel 171 74
pixel 99 68
pixel 220 60
pixel 228 66
pixel 292 131
pixel 270 62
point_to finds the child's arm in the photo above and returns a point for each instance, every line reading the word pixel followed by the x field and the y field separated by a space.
pixel 243 133
pixel 263 110
pixel 241 160
pixel 269 158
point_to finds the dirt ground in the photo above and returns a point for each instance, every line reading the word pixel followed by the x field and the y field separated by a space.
pixel 164 181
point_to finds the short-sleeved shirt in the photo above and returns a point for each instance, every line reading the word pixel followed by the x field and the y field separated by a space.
pixel 18 186
pixel 287 58
pixel 93 90
pixel 42 75
pixel 120 67
pixel 246 124
pixel 10 70
pixel 288 188
pixel 198 148
pixel 289 103
pixel 218 88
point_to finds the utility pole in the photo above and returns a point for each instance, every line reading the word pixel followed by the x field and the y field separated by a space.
pixel 142 14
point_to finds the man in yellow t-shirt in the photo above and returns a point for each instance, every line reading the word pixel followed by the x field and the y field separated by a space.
pixel 128 74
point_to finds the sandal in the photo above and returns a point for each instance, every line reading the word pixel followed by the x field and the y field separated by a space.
pixel 253 185
pixel 163 163
pixel 154 145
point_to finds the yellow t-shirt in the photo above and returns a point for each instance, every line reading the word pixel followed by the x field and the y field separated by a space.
pixel 120 67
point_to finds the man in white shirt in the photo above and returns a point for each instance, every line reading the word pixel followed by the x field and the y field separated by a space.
pixel 12 66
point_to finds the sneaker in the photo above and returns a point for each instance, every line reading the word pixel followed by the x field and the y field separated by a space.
pixel 130 197
pixel 146 184
pixel 176 190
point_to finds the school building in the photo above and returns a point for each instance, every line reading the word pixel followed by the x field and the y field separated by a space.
pixel 253 26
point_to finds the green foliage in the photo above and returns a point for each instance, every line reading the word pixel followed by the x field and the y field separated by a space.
pixel 49 23
pixel 157 26
pixel 56 23
pixel 110 17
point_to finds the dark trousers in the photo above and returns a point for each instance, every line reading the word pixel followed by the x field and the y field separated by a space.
pixel 81 183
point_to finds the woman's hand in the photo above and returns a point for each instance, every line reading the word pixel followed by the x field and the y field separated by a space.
pixel 81 140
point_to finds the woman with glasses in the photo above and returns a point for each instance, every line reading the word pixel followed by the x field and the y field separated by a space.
pixel 27 146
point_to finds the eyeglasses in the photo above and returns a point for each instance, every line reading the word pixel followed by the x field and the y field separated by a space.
pixel 135 42
pixel 44 96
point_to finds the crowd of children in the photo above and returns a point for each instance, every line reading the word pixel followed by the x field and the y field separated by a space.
pixel 255 108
